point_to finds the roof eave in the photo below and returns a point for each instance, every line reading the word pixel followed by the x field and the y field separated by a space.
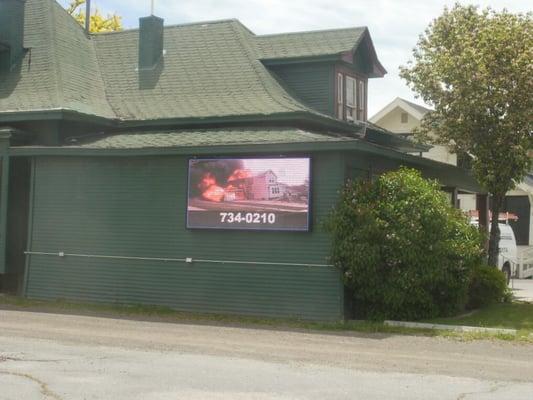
pixel 462 178
pixel 394 141
pixel 284 117
pixel 55 114
pixel 378 71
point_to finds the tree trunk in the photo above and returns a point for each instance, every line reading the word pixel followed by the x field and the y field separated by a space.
pixel 494 238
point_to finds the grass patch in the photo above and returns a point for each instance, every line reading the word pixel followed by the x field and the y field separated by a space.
pixel 506 315
pixel 165 314
pixel 515 315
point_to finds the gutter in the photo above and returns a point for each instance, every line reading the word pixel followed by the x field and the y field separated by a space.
pixel 460 177
pixel 207 122
pixel 55 114
pixel 354 144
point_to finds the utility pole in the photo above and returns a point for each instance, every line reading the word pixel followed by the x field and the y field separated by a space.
pixel 88 16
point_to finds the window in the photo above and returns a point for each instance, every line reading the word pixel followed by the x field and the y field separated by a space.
pixel 361 101
pixel 404 118
pixel 351 99
pixel 340 89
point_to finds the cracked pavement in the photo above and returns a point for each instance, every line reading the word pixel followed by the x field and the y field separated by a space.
pixel 63 357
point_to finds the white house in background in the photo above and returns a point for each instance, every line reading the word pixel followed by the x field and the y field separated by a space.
pixel 265 186
pixel 402 116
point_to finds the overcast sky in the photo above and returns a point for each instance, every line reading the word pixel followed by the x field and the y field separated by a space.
pixel 394 24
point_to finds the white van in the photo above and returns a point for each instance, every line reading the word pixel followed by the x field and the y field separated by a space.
pixel 507 255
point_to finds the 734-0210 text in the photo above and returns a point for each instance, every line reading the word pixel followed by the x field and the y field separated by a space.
pixel 248 218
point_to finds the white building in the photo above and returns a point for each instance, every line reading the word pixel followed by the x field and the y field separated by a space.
pixel 265 186
pixel 402 117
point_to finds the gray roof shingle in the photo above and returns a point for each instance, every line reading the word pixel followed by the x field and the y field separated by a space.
pixel 204 137
pixel 210 70
pixel 309 44
pixel 60 70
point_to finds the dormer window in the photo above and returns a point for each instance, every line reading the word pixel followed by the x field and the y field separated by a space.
pixel 351 97
pixel 340 96
pixel 361 114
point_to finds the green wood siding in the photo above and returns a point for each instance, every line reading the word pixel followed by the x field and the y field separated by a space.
pixel 17 223
pixel 136 207
pixel 311 83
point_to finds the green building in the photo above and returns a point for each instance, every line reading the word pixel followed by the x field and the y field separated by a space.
pixel 101 136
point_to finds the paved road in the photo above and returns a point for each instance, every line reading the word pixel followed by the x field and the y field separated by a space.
pixel 523 289
pixel 63 357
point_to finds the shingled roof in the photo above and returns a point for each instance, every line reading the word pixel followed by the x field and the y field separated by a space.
pixel 209 70
pixel 308 44
pixel 59 70
pixel 204 137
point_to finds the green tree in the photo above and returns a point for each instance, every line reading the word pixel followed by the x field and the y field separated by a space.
pixel 475 67
pixel 99 23
pixel 406 253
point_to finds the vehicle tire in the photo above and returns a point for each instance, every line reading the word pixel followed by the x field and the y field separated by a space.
pixel 507 272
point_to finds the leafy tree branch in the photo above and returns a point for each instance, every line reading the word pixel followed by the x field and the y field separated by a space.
pixel 476 67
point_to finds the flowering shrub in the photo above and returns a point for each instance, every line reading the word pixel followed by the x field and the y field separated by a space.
pixel 406 253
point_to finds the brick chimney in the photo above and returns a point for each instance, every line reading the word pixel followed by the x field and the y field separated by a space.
pixel 11 32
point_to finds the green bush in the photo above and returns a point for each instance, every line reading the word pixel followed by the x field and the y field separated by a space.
pixel 406 253
pixel 488 285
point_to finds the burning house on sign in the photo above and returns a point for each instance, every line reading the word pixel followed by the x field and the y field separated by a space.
pixel 261 193
pixel 251 183
pixel 241 185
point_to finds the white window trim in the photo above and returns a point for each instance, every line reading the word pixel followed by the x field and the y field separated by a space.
pixel 340 96
pixel 340 88
pixel 351 106
pixel 361 99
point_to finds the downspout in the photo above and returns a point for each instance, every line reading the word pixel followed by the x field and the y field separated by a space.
pixel 4 187
pixel 530 198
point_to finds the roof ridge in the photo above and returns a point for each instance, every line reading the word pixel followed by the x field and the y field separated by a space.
pixel 73 33
pixel 101 76
pixel 254 63
pixel 414 104
pixel 53 35
pixel 63 10
pixel 311 31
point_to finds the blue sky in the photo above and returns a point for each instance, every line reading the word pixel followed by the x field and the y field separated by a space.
pixel 394 24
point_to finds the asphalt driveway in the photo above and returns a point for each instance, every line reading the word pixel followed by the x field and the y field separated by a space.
pixel 60 357
pixel 522 289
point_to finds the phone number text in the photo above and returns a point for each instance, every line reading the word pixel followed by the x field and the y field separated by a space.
pixel 247 218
